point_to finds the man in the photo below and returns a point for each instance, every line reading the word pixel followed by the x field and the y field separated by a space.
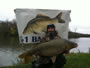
pixel 51 33
pixel 49 62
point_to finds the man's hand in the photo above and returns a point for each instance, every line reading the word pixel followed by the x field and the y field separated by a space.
pixel 53 59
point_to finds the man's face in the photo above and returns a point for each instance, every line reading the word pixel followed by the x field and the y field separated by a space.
pixel 51 29
pixel 51 32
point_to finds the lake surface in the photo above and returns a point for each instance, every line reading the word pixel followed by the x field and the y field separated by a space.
pixel 10 49
pixel 83 45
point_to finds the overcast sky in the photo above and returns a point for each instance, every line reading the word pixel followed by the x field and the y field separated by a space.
pixel 80 9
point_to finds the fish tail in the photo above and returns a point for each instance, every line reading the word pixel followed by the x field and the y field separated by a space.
pixel 60 20
pixel 26 57
pixel 59 15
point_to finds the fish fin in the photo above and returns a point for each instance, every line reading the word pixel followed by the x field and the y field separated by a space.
pixel 42 16
pixel 44 30
pixel 35 32
pixel 27 59
pixel 22 55
pixel 61 21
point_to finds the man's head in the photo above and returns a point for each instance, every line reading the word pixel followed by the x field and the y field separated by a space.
pixel 50 28
pixel 51 31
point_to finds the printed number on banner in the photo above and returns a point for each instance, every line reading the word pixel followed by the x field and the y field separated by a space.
pixel 26 39
pixel 35 39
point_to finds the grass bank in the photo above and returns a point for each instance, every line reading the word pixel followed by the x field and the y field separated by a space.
pixel 79 60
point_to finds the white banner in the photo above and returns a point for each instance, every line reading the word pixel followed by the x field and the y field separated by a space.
pixel 32 23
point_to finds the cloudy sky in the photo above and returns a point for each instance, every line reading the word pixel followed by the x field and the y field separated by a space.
pixel 80 10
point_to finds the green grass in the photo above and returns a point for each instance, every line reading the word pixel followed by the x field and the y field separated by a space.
pixel 79 60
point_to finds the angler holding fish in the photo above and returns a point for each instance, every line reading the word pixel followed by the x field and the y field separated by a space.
pixel 50 53
pixel 48 61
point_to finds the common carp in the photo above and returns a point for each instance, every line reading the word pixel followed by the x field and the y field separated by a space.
pixel 51 48
pixel 40 22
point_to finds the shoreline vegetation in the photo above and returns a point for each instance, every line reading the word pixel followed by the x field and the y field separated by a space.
pixel 9 28
pixel 74 60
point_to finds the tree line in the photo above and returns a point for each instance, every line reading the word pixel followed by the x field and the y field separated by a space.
pixel 8 28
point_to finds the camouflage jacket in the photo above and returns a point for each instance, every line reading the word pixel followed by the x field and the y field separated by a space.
pixel 46 38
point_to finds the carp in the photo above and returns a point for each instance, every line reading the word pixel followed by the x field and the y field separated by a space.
pixel 50 48
pixel 40 22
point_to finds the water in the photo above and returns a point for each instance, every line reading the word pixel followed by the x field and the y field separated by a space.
pixel 10 49
pixel 83 45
